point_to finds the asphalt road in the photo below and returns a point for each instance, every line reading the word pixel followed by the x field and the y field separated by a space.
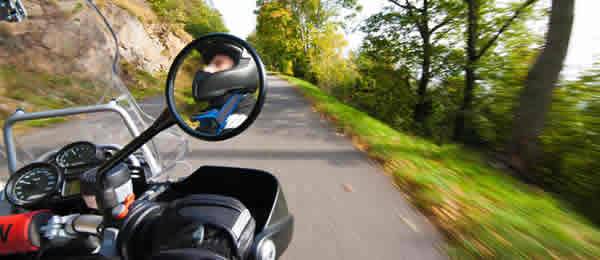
pixel 345 206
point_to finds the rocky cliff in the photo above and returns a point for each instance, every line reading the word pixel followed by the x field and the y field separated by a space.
pixel 65 44
pixel 68 37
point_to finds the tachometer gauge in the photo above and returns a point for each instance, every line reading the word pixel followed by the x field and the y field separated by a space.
pixel 76 154
pixel 33 183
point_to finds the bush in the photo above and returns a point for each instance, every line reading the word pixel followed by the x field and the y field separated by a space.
pixel 484 213
pixel 196 17
pixel 571 145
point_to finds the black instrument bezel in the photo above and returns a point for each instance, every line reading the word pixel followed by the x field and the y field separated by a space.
pixel 10 185
pixel 70 146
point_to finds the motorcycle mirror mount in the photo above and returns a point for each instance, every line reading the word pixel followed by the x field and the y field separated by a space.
pixel 215 90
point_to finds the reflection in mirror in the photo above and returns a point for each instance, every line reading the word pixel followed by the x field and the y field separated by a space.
pixel 216 86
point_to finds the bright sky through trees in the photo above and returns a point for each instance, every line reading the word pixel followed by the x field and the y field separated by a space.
pixel 584 49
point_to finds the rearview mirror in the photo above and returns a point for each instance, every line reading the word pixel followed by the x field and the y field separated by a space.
pixel 216 87
pixel 215 90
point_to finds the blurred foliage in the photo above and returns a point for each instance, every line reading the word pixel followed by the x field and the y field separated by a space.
pixel 304 38
pixel 571 142
pixel 195 16
pixel 45 122
pixel 38 91
pixel 492 215
pixel 486 213
pixel 276 38
pixel 141 83
pixel 135 8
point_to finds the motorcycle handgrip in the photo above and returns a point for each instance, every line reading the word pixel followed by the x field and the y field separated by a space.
pixel 20 233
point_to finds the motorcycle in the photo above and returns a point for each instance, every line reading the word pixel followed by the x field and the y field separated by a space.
pixel 97 187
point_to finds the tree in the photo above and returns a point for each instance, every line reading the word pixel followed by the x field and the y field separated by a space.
pixel 194 16
pixel 536 96
pixel 300 31
pixel 314 17
pixel 475 37
pixel 203 19
pixel 276 37
pixel 418 26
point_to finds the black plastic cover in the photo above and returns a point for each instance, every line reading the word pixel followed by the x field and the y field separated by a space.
pixel 187 254
pixel 116 177
pixel 225 224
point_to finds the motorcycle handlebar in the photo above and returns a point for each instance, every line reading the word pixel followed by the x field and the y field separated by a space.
pixel 68 227
pixel 86 224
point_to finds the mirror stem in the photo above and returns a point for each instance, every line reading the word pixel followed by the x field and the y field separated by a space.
pixel 164 121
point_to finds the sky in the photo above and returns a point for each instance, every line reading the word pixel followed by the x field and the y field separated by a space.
pixel 584 47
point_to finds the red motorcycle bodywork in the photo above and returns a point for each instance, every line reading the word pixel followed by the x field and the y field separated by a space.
pixel 19 233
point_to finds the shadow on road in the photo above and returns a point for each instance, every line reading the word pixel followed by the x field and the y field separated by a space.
pixel 336 157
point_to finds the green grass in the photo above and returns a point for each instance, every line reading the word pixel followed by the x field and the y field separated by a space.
pixel 45 122
pixel 78 8
pixel 484 213
pixel 140 83
pixel 143 13
pixel 40 91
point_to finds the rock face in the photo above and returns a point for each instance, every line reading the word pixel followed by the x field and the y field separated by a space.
pixel 68 37
pixel 150 46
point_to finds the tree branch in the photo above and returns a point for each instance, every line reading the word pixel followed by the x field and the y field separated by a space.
pixel 410 9
pixel 503 28
pixel 443 23
pixel 397 3
pixel 441 35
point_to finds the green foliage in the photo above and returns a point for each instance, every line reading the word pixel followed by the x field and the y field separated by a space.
pixel 276 38
pixel 381 79
pixel 485 213
pixel 571 142
pixel 397 35
pixel 140 83
pixel 502 73
pixel 40 91
pixel 78 7
pixel 45 122
pixel 382 91
pixel 304 38
pixel 195 16
pixel 204 20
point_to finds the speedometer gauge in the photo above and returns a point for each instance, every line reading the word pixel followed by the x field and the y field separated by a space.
pixel 76 154
pixel 33 183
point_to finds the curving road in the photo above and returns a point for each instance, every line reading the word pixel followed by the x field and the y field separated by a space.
pixel 345 206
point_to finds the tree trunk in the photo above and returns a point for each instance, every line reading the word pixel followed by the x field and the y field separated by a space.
pixel 471 49
pixel 420 112
pixel 536 96
pixel 464 114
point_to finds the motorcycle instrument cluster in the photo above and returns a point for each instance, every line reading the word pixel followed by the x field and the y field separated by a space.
pixel 33 183
pixel 76 155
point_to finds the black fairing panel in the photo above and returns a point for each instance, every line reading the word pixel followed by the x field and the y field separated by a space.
pixel 258 190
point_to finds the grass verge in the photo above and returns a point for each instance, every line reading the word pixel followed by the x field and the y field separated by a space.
pixel 45 122
pixel 39 91
pixel 141 83
pixel 484 213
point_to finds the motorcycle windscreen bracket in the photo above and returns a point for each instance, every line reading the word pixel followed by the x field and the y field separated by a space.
pixel 112 106
pixel 12 11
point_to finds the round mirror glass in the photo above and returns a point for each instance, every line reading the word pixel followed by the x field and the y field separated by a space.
pixel 216 87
